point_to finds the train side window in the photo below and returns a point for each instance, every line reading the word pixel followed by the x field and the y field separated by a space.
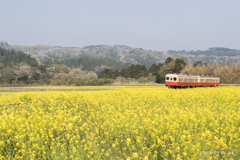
pixel 167 78
pixel 180 79
pixel 175 79
pixel 185 80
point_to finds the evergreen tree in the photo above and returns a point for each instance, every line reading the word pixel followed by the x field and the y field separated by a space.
pixel 137 71
pixel 159 65
pixel 165 69
pixel 179 65
pixel 10 57
pixel 153 69
pixel 107 74
pixel 35 78
pixel 43 68
pixel 124 73
pixel 158 77
pixel 168 60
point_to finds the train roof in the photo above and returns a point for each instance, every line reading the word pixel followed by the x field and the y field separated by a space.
pixel 186 75
pixel 209 77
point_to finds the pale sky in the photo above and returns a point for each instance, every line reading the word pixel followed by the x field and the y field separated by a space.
pixel 151 24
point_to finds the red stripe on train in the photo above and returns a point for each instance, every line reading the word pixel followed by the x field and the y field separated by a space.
pixel 190 84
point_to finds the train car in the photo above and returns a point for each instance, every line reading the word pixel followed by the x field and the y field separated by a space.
pixel 183 80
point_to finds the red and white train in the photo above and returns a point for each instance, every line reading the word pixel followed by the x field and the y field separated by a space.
pixel 183 80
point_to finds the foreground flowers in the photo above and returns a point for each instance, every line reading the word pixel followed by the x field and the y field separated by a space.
pixel 139 123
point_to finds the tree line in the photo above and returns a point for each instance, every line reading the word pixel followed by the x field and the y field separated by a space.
pixel 19 68
pixel 9 57
pixel 157 71
pixel 228 72
pixel 86 63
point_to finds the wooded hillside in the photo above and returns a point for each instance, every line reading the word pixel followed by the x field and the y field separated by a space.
pixel 128 54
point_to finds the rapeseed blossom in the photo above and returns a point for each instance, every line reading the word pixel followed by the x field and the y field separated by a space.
pixel 128 123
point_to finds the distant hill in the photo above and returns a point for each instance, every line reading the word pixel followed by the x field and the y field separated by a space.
pixel 215 54
pixel 125 54
pixel 10 57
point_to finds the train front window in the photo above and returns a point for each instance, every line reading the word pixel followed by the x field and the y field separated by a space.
pixel 175 79
pixel 171 79
pixel 167 78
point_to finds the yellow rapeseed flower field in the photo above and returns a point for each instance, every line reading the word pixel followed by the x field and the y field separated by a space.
pixel 126 123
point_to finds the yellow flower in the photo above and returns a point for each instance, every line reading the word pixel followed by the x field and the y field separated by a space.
pixel 135 155
pixel 97 123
